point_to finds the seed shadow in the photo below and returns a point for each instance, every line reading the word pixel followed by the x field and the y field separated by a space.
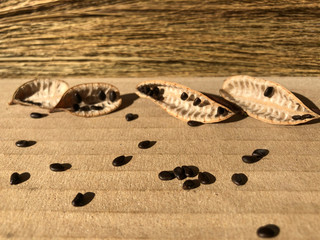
pixel 306 101
pixel 211 178
pixel 127 100
pixel 87 198
pixel 240 114
pixel 66 166
pixel 24 177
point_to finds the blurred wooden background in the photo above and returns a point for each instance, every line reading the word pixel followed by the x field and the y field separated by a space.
pixel 117 38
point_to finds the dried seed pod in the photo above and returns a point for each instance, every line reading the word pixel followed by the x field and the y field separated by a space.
pixel 266 101
pixel 45 93
pixel 183 102
pixel 95 100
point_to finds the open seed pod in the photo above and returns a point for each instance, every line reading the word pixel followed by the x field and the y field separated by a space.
pixel 266 101
pixel 183 102
pixel 45 93
pixel 90 100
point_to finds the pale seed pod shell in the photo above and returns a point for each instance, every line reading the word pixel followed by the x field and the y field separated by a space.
pixel 169 98
pixel 44 93
pixel 266 101
pixel 91 104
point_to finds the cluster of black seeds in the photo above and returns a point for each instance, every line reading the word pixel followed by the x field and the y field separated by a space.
pixel 302 117
pixel 183 172
pixel 257 155
pixel 151 91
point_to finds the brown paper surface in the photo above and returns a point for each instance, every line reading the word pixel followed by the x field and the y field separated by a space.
pixel 130 201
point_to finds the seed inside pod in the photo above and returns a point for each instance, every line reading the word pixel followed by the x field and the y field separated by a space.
pixel 112 96
pixel 172 98
pixel 156 91
pixel 239 179
pixel 194 123
pixel 179 173
pixel 306 116
pixel 75 107
pixel 166 175
pixel 268 92
pixel 37 115
pixel 222 111
pixel 15 178
pixel 196 102
pixel 206 178
pixel 190 184
pixel 85 108
pixel 281 107
pixel 268 231
pixel 184 96
pixel 25 143
pixel 94 107
pixel 260 152
pixel 77 97
pixel 251 159
pixel 102 96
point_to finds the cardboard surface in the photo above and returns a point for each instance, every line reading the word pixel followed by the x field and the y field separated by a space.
pixel 130 201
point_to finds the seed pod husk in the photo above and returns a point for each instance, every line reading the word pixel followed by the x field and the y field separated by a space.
pixel 279 106
pixel 45 93
pixel 182 102
pixel 92 104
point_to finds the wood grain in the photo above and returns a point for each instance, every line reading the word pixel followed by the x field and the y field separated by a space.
pixel 159 38
pixel 130 201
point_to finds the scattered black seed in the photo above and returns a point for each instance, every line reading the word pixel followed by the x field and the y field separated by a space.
pixel 97 108
pixel 239 179
pixel 78 200
pixel 260 152
pixel 268 231
pixel 305 116
pixel 179 173
pixel 57 167
pixel 190 171
pixel 37 115
pixel 268 92
pixel 102 96
pixel 296 117
pixel 190 184
pixel 196 102
pixel 251 159
pixel 206 178
pixel 194 123
pixel 130 117
pixel 144 144
pixel 15 178
pixel 25 143
pixel 77 97
pixel 112 96
pixel 184 96
pixel 166 175
pixel 119 161
pixel 222 111
pixel 85 108
pixel 75 107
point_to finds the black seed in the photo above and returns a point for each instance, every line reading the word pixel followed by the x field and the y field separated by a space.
pixel 260 152
pixel 25 143
pixel 75 107
pixel 184 96
pixel 130 117
pixel 251 159
pixel 268 231
pixel 77 97
pixel 206 178
pixel 179 173
pixel 78 200
pixel 222 111
pixel 102 96
pixel 85 108
pixel 190 184
pixel 156 91
pixel 37 115
pixel 112 96
pixel 97 108
pixel 57 167
pixel 268 92
pixel 166 175
pixel 239 179
pixel 194 123
pixel 119 161
pixel 144 144
pixel 15 178
pixel 196 102
pixel 145 89
pixel 190 171
pixel 296 117
pixel 150 93
pixel 305 116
